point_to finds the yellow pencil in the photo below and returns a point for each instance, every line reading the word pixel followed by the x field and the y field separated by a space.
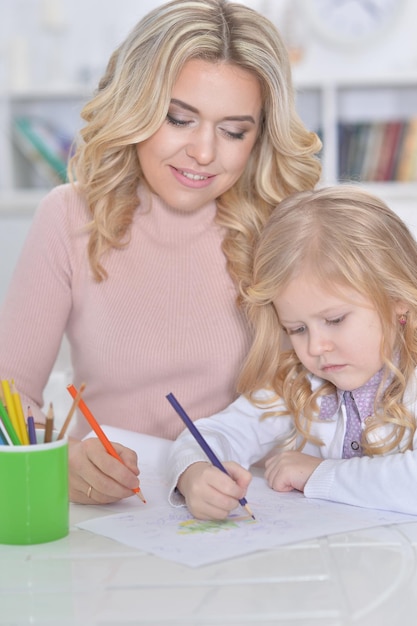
pixel 11 411
pixel 20 415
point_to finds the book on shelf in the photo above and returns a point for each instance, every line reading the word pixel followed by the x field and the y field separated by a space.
pixel 407 161
pixel 389 147
pixel 45 147
pixel 378 151
pixel 374 149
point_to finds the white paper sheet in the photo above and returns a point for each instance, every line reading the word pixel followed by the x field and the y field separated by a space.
pixel 171 533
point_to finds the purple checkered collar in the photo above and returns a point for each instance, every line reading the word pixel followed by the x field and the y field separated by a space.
pixel 364 398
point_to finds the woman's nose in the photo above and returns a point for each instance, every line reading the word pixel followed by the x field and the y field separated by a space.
pixel 202 145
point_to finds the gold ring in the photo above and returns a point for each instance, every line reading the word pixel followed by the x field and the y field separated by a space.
pixel 89 491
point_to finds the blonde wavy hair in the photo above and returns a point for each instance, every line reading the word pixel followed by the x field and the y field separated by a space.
pixel 343 237
pixel 132 101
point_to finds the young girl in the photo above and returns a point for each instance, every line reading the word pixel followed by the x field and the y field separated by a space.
pixel 335 272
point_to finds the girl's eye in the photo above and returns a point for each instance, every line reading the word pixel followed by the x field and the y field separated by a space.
pixel 336 320
pixel 295 331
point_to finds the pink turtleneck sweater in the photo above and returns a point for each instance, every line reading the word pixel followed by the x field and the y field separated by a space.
pixel 165 320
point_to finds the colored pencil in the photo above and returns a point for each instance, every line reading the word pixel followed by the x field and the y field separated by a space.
pixel 49 425
pixel 100 434
pixel 11 411
pixel 5 437
pixel 71 411
pixel 19 414
pixel 202 443
pixel 31 428
pixel 9 426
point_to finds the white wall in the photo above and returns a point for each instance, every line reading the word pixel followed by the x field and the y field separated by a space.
pixel 43 42
pixel 13 231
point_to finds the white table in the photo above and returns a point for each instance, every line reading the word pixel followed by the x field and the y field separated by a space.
pixel 364 578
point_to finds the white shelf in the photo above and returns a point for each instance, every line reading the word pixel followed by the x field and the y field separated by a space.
pixel 20 202
pixel 388 80
pixel 60 106
pixel 66 92
pixel 325 103
pixel 322 102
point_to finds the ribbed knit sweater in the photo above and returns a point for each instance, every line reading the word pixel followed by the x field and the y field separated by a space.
pixel 165 320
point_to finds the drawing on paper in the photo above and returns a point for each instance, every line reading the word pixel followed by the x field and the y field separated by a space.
pixel 193 526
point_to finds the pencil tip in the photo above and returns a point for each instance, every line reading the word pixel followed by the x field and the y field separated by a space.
pixel 140 496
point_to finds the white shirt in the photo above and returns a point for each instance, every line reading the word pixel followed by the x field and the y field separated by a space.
pixel 239 434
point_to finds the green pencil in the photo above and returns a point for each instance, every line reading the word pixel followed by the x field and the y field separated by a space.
pixel 8 425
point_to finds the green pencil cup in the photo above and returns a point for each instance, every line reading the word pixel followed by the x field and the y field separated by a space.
pixel 34 492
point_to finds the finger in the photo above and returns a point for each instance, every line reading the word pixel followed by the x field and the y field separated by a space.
pixel 212 509
pixel 129 457
pixel 108 487
pixel 225 485
pixel 89 495
pixel 91 465
pixel 112 470
pixel 241 476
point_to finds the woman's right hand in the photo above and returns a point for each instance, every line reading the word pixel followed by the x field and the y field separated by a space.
pixel 210 493
pixel 95 477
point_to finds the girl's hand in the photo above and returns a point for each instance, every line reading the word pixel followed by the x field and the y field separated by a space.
pixel 290 470
pixel 210 493
pixel 91 466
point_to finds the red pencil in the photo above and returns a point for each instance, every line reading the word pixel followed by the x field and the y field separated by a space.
pixel 100 434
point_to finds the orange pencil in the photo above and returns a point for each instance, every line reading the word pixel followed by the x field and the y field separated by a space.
pixel 100 434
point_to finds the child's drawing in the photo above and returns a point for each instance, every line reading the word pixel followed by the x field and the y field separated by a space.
pixel 192 526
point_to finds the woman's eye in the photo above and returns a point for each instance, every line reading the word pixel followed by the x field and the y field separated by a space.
pixel 176 122
pixel 232 135
pixel 181 123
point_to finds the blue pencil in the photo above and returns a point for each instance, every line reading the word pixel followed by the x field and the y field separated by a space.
pixel 3 441
pixel 31 428
pixel 4 435
pixel 202 442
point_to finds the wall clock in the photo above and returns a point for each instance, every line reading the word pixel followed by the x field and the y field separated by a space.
pixel 351 23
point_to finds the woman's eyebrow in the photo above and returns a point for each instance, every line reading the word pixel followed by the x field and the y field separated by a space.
pixel 188 107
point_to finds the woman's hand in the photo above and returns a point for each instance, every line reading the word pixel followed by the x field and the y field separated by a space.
pixel 210 493
pixel 290 470
pixel 95 477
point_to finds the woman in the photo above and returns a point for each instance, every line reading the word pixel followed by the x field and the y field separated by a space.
pixel 190 141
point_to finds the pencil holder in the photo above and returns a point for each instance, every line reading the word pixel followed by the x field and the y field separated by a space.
pixel 34 491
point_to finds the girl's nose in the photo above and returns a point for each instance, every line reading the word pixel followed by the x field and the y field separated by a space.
pixel 318 343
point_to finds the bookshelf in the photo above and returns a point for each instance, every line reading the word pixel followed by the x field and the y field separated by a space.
pixel 37 127
pixel 326 105
pixel 332 107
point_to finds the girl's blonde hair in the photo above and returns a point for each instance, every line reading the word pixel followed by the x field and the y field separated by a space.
pixel 132 103
pixel 341 237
